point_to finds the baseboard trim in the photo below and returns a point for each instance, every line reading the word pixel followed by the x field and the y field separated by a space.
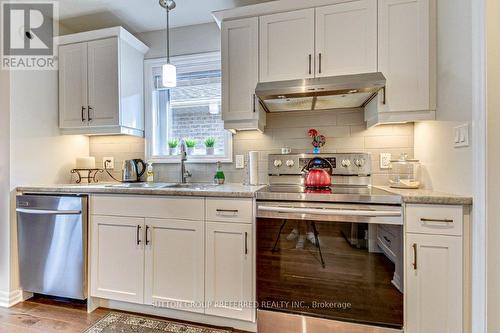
pixel 8 299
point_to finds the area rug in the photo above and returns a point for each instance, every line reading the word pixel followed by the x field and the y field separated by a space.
pixel 115 322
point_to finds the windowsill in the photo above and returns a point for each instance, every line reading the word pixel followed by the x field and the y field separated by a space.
pixel 190 159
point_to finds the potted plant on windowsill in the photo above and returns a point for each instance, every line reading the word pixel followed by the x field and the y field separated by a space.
pixel 190 144
pixel 172 146
pixel 210 145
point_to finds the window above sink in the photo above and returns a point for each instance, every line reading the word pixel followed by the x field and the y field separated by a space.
pixel 190 112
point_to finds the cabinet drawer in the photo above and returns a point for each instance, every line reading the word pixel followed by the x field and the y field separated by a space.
pixel 229 210
pixel 434 219
pixel 187 208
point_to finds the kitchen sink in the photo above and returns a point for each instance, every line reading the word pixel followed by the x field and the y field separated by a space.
pixel 189 186
pixel 140 185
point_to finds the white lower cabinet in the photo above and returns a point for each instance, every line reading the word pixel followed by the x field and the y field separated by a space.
pixel 229 270
pixel 179 261
pixel 174 268
pixel 434 284
pixel 117 258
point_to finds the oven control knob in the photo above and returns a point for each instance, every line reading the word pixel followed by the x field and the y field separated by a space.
pixel 290 163
pixel 278 163
pixel 359 162
pixel 346 163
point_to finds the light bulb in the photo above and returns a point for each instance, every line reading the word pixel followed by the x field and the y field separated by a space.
pixel 169 76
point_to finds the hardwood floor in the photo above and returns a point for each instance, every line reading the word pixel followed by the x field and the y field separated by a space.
pixel 42 315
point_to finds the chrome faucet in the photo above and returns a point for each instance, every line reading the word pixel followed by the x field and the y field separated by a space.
pixel 185 174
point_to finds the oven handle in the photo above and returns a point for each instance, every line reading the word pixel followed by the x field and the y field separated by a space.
pixel 338 212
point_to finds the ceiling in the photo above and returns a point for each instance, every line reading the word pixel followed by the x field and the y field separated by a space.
pixel 139 15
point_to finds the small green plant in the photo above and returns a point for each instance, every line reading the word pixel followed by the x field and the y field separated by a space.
pixel 210 142
pixel 190 143
pixel 173 143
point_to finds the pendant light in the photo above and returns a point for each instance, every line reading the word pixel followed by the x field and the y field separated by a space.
pixel 169 72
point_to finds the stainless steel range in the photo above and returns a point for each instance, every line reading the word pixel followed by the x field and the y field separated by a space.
pixel 328 258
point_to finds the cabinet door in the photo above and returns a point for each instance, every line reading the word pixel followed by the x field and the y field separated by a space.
pixel 240 68
pixel 287 46
pixel 346 38
pixel 404 53
pixel 175 264
pixel 103 82
pixel 228 280
pixel 434 287
pixel 117 265
pixel 73 85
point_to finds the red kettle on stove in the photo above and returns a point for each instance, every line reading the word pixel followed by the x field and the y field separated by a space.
pixel 315 173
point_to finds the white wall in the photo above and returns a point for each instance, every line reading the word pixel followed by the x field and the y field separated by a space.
pixel 447 168
pixel 183 40
pixel 493 164
pixel 40 154
pixel 4 183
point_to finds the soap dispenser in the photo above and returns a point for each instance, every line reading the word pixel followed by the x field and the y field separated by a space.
pixel 219 177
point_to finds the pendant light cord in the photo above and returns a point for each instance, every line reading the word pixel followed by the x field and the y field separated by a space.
pixel 168 35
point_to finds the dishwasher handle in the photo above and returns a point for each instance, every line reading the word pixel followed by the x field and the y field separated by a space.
pixel 48 211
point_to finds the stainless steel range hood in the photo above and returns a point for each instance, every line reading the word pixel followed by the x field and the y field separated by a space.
pixel 334 92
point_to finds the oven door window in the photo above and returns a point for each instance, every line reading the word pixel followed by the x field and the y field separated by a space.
pixel 335 270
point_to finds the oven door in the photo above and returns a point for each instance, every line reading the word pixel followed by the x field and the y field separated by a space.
pixel 342 262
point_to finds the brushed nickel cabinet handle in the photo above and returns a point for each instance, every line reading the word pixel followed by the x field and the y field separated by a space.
pixel 234 211
pixel 319 67
pixel 414 256
pixel 138 235
pixel 436 220
pixel 310 63
pixel 246 242
pixel 88 112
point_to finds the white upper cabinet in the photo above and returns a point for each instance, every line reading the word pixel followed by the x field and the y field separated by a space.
pixel 287 46
pixel 240 74
pixel 101 83
pixel 103 87
pixel 346 38
pixel 407 58
pixel 73 85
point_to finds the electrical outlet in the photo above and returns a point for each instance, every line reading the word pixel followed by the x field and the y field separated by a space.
pixel 385 160
pixel 108 163
pixel 240 161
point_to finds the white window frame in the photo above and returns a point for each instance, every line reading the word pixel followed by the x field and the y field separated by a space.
pixel 149 64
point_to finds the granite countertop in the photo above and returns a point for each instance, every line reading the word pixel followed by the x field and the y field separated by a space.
pixel 202 190
pixel 422 196
pixel 416 196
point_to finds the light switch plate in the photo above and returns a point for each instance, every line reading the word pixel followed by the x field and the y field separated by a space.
pixel 108 165
pixel 461 136
pixel 385 160
pixel 240 161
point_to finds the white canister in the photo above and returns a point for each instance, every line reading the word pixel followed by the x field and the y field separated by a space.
pixel 85 162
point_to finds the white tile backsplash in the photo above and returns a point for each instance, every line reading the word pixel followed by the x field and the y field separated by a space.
pixel 345 131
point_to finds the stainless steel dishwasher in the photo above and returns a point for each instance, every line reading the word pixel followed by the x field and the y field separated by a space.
pixel 52 242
